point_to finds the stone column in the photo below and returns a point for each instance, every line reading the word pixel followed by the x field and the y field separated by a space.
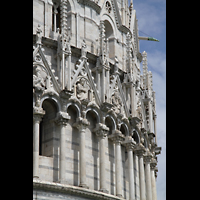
pixel 137 189
pixel 62 119
pixel 55 12
pixel 101 131
pixel 130 143
pixel 69 71
pixel 37 117
pixel 117 137
pixel 147 159
pixel 153 180
pixel 140 150
pixel 108 83
pixel 82 124
pixel 103 84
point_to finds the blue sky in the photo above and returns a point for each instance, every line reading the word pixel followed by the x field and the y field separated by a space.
pixel 151 15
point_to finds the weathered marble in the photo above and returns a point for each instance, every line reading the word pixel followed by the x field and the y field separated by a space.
pixel 94 113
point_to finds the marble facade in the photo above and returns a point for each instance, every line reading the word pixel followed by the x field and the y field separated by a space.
pixel 94 112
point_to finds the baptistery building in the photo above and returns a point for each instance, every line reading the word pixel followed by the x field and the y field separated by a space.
pixel 94 112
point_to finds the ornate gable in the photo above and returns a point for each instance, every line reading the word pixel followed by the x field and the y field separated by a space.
pixel 117 96
pixel 43 76
pixel 82 80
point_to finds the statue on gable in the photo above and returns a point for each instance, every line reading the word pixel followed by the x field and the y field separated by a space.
pixel 82 89
pixel 116 101
pixel 38 78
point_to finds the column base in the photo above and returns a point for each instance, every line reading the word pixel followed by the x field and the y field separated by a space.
pixel 35 177
pixel 84 186
pixel 104 190
pixel 119 195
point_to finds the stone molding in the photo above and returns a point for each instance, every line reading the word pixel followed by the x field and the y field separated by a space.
pixel 92 4
pixel 73 190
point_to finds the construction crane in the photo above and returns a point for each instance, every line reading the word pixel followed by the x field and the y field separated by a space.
pixel 148 38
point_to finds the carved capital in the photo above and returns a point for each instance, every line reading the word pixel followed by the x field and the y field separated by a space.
pixel 117 137
pixel 148 156
pixel 140 150
pixel 81 123
pixel 153 163
pixel 38 114
pixel 101 130
pixel 129 143
pixel 62 118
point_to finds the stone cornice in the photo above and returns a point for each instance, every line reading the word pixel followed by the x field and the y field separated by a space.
pixel 92 4
pixel 73 190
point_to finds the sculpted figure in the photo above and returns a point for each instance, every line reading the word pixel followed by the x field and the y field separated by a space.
pixel 38 80
pixel 81 89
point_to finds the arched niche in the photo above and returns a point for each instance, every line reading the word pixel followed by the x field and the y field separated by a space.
pixel 93 117
pixel 109 34
pixel 110 123
pixel 124 129
pixel 73 113
pixel 47 128
pixel 136 137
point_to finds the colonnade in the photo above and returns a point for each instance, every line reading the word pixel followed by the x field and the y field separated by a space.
pixel 147 181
